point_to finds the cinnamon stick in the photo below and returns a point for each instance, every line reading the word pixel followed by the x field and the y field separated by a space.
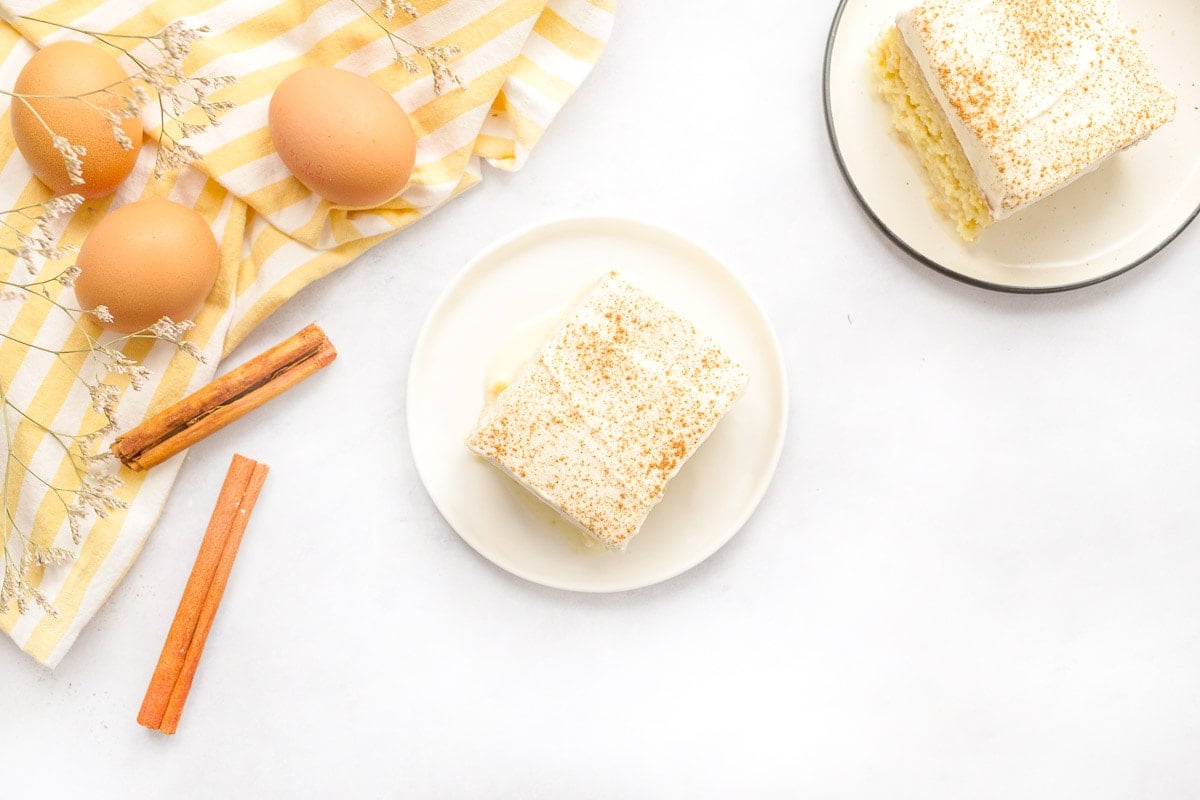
pixel 172 679
pixel 228 398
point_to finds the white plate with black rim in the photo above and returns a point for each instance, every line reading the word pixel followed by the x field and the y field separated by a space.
pixel 534 275
pixel 1105 223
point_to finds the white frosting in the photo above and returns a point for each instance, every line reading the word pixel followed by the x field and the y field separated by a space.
pixel 1038 92
pixel 620 395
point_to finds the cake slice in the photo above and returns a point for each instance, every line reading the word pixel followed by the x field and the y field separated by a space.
pixel 615 402
pixel 1007 101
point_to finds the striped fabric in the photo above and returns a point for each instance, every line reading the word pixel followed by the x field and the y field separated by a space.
pixel 520 61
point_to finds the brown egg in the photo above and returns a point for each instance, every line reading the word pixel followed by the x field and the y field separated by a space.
pixel 79 69
pixel 147 260
pixel 342 136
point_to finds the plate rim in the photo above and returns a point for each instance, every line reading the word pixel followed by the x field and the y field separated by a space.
pixel 776 356
pixel 897 240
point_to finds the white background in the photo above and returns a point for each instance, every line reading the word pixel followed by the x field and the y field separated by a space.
pixel 975 575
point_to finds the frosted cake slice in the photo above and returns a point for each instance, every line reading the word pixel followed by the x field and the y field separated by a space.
pixel 1007 101
pixel 599 421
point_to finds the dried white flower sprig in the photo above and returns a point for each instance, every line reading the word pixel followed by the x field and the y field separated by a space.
pixel 185 103
pixel 28 237
pixel 99 367
pixel 438 57
pixel 30 227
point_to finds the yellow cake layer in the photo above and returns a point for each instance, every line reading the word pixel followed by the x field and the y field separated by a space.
pixel 923 125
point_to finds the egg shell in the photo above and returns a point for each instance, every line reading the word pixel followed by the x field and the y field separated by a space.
pixel 147 260
pixel 342 136
pixel 77 69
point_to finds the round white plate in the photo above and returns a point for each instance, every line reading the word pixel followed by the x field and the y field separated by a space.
pixel 526 276
pixel 1101 225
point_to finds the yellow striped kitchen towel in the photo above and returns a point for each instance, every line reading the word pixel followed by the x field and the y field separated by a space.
pixel 519 62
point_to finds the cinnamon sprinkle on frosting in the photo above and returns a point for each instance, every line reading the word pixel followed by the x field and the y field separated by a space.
pixel 1038 91
pixel 603 417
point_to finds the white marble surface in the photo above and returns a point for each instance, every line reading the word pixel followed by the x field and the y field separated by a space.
pixel 975 574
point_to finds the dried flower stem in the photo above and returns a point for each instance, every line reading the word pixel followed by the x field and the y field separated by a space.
pixel 92 485
pixel 27 235
pixel 437 57
pixel 175 92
